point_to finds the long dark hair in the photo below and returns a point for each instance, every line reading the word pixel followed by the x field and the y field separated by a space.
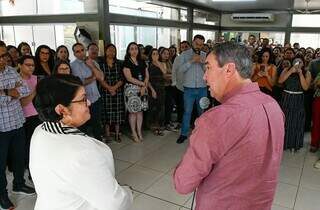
pixel 37 59
pixel 268 50
pixel 127 56
pixel 105 52
pixel 21 45
pixel 57 51
pixel 150 54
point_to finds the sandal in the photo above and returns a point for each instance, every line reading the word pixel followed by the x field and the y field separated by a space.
pixel 135 139
pixel 158 132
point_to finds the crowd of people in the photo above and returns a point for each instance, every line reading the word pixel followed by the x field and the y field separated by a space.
pixel 148 84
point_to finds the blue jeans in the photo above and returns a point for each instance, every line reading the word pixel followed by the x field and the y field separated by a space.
pixel 190 96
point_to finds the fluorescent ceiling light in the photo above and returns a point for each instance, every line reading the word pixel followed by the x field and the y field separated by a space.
pixel 233 0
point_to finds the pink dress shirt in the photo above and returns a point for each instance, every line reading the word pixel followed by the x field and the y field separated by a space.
pixel 29 109
pixel 234 154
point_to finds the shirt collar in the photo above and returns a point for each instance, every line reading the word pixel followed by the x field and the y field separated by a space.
pixel 59 128
pixel 243 89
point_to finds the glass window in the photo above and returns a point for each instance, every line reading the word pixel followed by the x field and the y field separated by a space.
pixel 207 18
pixel 149 9
pixel 7 35
pixel 306 20
pixel 34 7
pixel 22 7
pixel 207 34
pixel 23 33
pixel 147 35
pixel 44 34
pixel 121 36
pixel 67 6
pixel 36 35
pixel 275 38
pixel 306 39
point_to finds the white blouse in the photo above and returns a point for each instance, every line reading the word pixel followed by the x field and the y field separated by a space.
pixel 72 171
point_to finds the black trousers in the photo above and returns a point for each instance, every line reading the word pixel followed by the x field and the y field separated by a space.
pixel 29 126
pixel 178 96
pixel 12 144
pixel 93 126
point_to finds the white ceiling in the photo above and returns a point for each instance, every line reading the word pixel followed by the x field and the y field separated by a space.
pixel 261 5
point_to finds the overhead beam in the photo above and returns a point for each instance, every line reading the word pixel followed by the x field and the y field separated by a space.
pixel 31 19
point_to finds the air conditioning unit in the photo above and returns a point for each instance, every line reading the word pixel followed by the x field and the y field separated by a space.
pixel 252 17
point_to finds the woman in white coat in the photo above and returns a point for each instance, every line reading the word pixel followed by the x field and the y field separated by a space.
pixel 70 170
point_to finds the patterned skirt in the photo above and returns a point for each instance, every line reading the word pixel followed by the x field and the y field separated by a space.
pixel 133 101
pixel 293 108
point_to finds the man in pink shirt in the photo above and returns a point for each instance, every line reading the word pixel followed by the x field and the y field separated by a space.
pixel 236 148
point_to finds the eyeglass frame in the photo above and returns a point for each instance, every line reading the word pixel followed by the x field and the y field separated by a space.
pixel 84 100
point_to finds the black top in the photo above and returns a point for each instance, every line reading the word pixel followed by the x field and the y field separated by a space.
pixel 156 77
pixel 137 71
pixel 293 83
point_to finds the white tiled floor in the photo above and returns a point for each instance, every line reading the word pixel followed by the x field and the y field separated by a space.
pixel 148 168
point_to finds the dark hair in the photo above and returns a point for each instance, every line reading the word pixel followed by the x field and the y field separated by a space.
pixel 57 51
pixel 2 43
pixel 262 51
pixel 58 63
pixel 234 53
pixel 9 47
pixel 127 56
pixel 150 54
pixel 105 51
pixel 76 44
pixel 147 50
pixel 185 42
pixel 289 49
pixel 25 57
pixel 38 66
pixel 199 36
pixel 52 91
pixel 161 52
pixel 92 44
pixel 23 44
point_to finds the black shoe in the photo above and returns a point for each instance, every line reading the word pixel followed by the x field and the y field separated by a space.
pixel 5 202
pixel 181 139
pixel 24 190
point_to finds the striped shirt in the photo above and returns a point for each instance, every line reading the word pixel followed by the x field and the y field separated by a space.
pixel 11 114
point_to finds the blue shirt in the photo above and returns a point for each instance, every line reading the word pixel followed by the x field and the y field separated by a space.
pixel 11 114
pixel 81 70
pixel 192 72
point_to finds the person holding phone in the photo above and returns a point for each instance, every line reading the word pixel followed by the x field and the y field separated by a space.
pixel 264 72
pixel 295 81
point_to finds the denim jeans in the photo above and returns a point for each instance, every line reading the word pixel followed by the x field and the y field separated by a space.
pixel 190 96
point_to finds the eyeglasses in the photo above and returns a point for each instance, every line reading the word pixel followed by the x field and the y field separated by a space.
pixel 84 100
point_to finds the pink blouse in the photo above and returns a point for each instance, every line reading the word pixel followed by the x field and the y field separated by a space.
pixel 29 109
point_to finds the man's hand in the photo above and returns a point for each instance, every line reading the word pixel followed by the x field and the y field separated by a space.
pixel 196 59
pixel 90 63
pixel 13 93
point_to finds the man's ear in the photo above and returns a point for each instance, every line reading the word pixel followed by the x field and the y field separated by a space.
pixel 230 69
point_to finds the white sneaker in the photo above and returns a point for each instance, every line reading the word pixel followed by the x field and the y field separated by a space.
pixel 317 164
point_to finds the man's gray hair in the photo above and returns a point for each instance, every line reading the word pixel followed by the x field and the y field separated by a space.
pixel 230 52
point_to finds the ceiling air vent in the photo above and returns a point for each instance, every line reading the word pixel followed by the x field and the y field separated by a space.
pixel 252 17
